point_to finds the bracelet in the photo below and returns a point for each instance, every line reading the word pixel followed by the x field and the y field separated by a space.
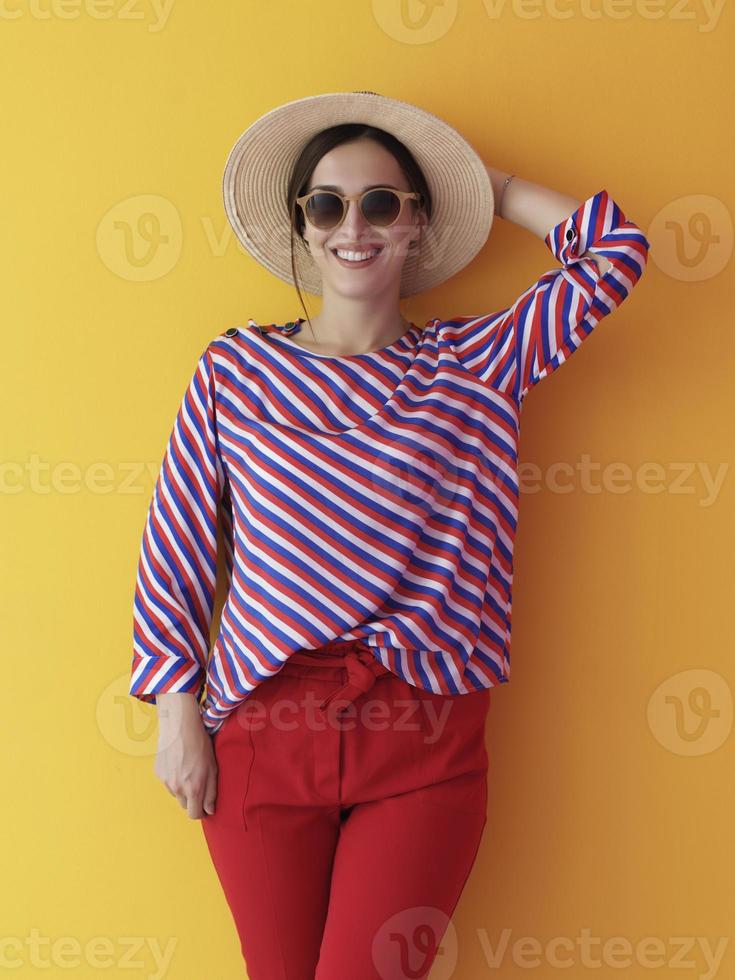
pixel 502 193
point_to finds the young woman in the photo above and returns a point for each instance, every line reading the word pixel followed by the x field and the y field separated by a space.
pixel 363 481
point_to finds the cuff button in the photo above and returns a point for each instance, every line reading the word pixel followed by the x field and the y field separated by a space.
pixel 231 332
pixel 570 235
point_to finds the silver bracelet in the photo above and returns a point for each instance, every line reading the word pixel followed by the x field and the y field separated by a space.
pixel 502 193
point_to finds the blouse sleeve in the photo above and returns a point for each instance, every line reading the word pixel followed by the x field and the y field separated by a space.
pixel 177 568
pixel 514 349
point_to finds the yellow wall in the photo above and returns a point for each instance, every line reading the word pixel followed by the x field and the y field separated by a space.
pixel 611 781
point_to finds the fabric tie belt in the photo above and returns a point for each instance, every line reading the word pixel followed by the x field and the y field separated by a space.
pixel 362 670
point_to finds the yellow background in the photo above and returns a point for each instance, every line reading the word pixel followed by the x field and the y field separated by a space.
pixel 611 779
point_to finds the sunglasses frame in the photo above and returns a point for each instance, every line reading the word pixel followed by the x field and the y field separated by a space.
pixel 403 196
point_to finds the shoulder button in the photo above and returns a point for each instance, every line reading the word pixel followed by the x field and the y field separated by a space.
pixel 231 332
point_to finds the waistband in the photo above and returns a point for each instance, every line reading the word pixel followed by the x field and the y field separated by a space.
pixel 356 656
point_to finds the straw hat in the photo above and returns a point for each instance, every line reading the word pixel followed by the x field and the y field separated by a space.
pixel 258 167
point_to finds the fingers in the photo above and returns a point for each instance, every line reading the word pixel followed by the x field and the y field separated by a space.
pixel 210 791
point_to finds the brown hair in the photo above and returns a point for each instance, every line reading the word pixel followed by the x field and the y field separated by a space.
pixel 325 141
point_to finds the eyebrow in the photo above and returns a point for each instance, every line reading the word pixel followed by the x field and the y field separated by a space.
pixel 335 187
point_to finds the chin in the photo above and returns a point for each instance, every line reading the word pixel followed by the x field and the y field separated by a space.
pixel 366 290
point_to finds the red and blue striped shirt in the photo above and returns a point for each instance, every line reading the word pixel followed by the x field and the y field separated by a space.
pixel 370 496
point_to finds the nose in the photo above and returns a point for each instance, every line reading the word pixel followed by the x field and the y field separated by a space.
pixel 353 221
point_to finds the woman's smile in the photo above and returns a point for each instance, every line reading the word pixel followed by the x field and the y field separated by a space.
pixel 352 258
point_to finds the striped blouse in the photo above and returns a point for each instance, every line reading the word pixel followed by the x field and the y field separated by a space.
pixel 369 496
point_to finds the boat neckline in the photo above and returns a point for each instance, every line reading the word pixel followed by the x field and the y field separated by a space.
pixel 272 333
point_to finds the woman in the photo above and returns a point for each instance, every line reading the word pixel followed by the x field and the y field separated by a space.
pixel 364 481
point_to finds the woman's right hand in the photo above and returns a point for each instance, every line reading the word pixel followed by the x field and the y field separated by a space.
pixel 185 761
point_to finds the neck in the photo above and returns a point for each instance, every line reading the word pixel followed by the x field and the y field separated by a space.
pixel 351 326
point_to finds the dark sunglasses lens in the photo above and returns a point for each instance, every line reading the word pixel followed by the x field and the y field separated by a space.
pixel 381 207
pixel 324 209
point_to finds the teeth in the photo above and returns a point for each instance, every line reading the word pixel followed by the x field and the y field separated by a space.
pixel 357 256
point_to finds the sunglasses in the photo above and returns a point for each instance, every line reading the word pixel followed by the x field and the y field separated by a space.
pixel 380 206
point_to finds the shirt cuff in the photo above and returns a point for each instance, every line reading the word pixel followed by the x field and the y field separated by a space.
pixel 584 228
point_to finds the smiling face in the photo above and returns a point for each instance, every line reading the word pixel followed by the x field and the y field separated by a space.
pixel 351 168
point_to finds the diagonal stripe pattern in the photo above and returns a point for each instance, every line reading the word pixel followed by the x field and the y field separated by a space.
pixel 363 497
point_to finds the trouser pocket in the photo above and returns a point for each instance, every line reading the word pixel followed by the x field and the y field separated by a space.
pixel 454 758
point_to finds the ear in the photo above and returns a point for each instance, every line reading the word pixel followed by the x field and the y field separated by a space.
pixel 422 223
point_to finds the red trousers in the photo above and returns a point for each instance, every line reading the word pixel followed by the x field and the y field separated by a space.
pixel 349 813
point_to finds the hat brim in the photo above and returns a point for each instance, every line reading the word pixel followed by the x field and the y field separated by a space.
pixel 259 165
